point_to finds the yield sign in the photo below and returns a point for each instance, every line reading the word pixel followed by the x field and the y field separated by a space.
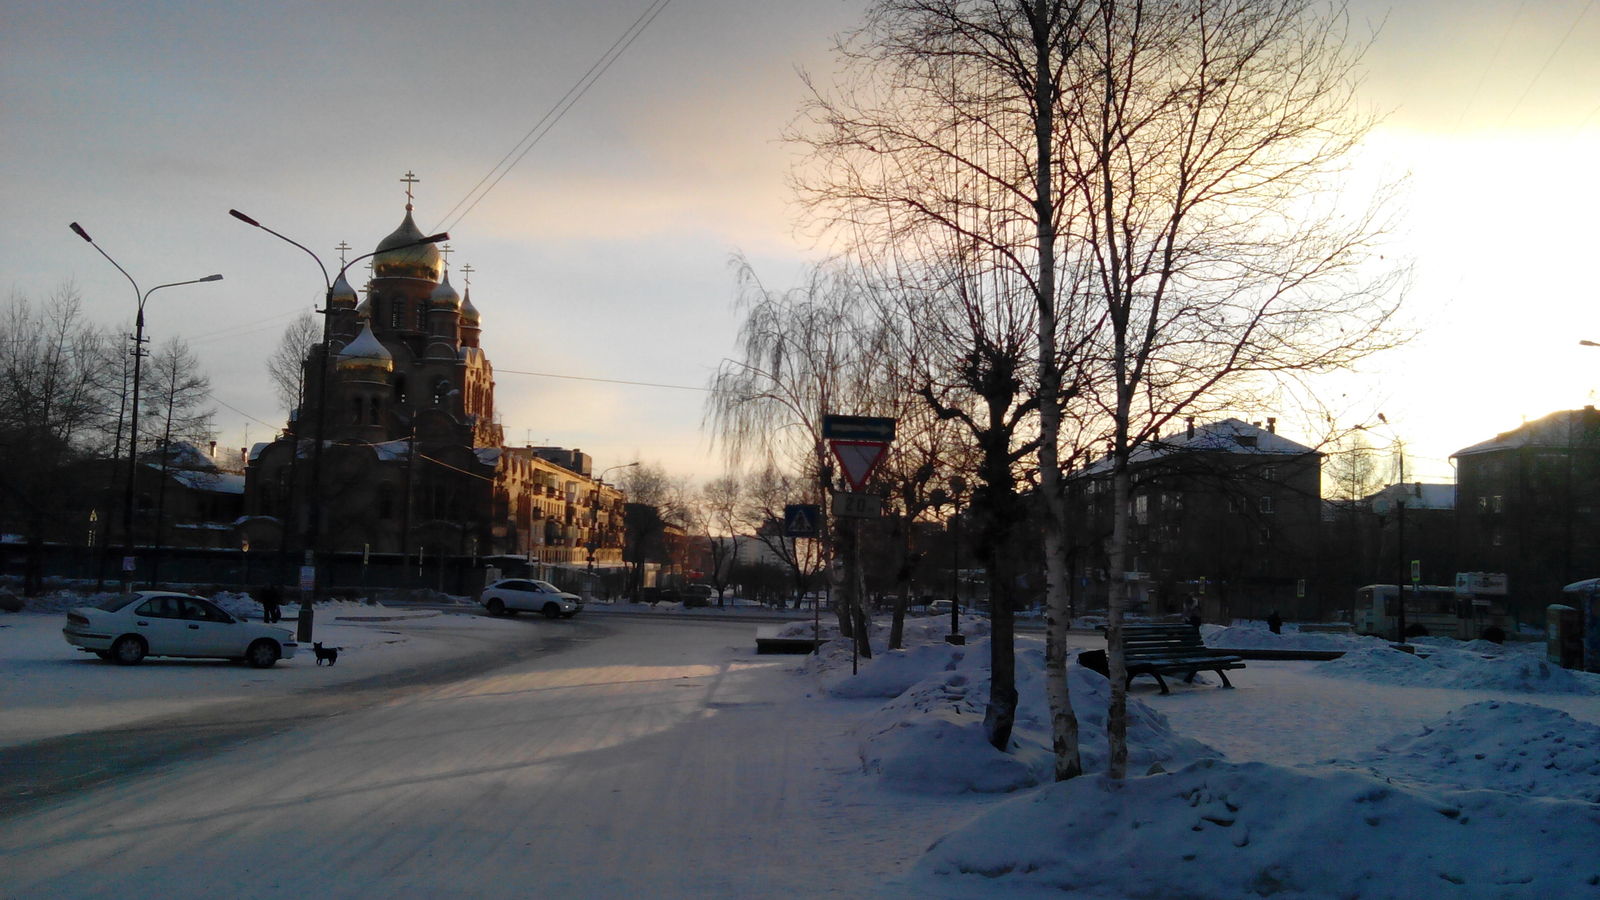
pixel 858 459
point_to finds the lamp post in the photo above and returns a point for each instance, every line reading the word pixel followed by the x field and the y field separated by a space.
pixel 133 419
pixel 314 519
pixel 594 514
pixel 958 485
pixel 1399 532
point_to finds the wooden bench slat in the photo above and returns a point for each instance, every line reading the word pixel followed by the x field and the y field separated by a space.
pixel 1172 649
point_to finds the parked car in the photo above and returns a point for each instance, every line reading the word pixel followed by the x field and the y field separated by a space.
pixel 129 627
pixel 698 595
pixel 509 596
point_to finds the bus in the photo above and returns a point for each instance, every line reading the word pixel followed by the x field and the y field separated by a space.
pixel 1436 608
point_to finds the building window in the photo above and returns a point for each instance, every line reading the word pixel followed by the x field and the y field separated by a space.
pixel 1141 509
pixel 355 410
pixel 1269 473
pixel 1265 534
pixel 1483 504
pixel 1498 503
pixel 1266 505
pixel 374 411
pixel 397 314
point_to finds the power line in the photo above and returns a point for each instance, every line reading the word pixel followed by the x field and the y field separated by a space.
pixel 654 384
pixel 1547 60
pixel 554 115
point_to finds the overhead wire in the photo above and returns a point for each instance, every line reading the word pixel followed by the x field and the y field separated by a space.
pixel 553 116
pixel 1571 26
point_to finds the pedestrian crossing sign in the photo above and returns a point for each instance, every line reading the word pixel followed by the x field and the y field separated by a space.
pixel 802 520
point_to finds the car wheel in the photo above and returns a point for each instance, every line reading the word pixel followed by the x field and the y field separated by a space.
pixel 262 654
pixel 552 611
pixel 496 607
pixel 129 650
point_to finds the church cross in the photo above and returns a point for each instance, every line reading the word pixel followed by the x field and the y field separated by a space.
pixel 466 272
pixel 408 181
pixel 342 248
pixel 445 251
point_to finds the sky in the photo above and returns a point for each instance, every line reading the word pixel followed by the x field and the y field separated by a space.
pixel 604 254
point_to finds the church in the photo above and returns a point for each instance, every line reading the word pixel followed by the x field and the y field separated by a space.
pixel 414 460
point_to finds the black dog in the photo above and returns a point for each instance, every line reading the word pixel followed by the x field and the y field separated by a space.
pixel 329 655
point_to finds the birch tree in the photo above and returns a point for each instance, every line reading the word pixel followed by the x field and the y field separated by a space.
pixel 1208 140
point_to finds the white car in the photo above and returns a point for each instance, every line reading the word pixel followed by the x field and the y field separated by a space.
pixel 509 596
pixel 129 627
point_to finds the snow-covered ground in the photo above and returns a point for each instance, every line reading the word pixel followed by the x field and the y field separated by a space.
pixel 1476 786
pixel 49 689
pixel 1465 770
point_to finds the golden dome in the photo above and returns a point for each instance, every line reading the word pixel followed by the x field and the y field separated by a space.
pixel 420 261
pixel 469 313
pixel 343 295
pixel 365 353
pixel 444 297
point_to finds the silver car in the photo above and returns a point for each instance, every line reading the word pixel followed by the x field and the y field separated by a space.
pixel 509 596
pixel 129 627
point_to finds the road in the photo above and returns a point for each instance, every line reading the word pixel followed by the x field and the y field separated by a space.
pixel 604 759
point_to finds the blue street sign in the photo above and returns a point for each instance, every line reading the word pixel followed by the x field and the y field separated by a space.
pixel 802 520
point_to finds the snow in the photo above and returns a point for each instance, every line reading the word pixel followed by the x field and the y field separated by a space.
pixel 1519 671
pixel 1465 770
pixel 49 689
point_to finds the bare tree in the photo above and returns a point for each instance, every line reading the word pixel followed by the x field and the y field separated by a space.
pixel 933 158
pixel 287 364
pixel 178 419
pixel 807 352
pixel 54 398
pixel 1206 142
pixel 718 504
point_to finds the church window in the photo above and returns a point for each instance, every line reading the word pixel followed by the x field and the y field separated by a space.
pixel 440 389
pixel 374 411
pixel 355 410
pixel 397 314
pixel 400 389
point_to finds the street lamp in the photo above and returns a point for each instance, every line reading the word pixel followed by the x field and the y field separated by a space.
pixel 1399 531
pixel 958 486
pixel 314 523
pixel 133 424
pixel 594 512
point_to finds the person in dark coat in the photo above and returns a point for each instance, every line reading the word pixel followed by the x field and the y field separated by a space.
pixel 1275 623
pixel 270 599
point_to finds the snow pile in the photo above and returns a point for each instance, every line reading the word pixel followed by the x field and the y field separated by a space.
pixel 1520 672
pixel 1257 636
pixel 930 738
pixel 1218 829
pixel 1514 747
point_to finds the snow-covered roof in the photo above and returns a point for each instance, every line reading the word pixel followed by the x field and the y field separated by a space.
pixel 390 451
pixel 215 482
pixel 255 449
pixel 1418 495
pixel 488 455
pixel 1554 430
pixel 1226 436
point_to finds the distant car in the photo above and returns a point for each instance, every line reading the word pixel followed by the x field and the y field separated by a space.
pixel 939 608
pixel 129 627
pixel 698 595
pixel 509 596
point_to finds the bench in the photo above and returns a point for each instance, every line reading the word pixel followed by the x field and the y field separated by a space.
pixel 768 640
pixel 1157 650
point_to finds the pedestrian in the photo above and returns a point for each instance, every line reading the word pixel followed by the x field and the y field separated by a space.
pixel 270 599
pixel 1275 623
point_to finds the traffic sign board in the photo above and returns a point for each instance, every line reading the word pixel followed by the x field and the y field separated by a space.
pixel 802 520
pixel 858 459
pixel 858 428
pixel 859 506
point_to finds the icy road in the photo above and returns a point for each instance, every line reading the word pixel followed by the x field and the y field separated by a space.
pixel 624 758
